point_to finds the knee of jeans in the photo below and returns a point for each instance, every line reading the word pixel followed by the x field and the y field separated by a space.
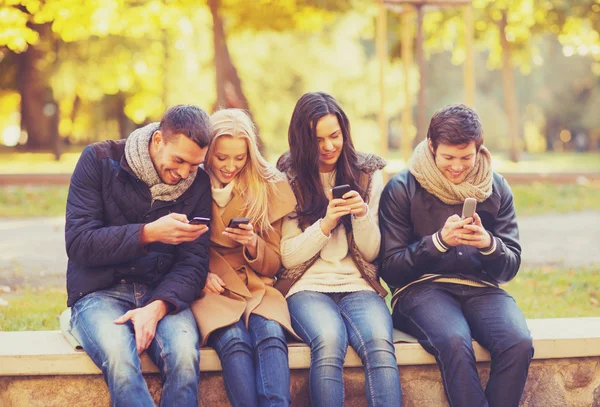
pixel 329 344
pixel 181 351
pixel 519 347
pixel 377 347
pixel 454 344
pixel 271 335
pixel 231 343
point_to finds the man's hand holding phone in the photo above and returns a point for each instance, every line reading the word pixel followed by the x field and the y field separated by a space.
pixel 173 228
pixel 474 234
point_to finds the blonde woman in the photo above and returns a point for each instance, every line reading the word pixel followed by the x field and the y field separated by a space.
pixel 239 313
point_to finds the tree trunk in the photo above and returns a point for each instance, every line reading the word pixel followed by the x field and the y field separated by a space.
pixel 228 83
pixel 510 97
pixel 126 125
pixel 39 110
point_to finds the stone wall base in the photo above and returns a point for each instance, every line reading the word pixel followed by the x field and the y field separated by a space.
pixel 571 382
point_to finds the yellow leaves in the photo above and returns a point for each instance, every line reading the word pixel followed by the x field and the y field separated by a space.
pixel 14 32
pixel 144 105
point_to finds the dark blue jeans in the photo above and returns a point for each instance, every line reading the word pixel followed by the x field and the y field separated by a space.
pixel 255 363
pixel 327 323
pixel 175 348
pixel 445 317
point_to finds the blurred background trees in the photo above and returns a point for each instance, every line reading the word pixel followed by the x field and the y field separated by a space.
pixel 75 72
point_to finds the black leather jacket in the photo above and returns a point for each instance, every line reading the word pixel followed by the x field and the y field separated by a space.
pixel 409 216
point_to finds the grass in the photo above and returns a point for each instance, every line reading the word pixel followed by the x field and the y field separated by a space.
pixel 547 292
pixel 552 292
pixel 37 163
pixel 32 309
pixel 534 199
pixel 540 198
pixel 29 201
pixel 12 162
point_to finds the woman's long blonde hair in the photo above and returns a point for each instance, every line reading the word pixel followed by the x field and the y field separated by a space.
pixel 256 181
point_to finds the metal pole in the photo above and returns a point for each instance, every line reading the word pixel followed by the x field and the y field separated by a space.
pixel 407 61
pixel 469 66
pixel 382 57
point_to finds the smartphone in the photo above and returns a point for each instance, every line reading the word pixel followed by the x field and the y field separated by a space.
pixel 199 220
pixel 338 191
pixel 468 209
pixel 236 222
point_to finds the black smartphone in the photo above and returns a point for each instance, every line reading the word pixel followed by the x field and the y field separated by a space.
pixel 338 191
pixel 199 220
pixel 236 222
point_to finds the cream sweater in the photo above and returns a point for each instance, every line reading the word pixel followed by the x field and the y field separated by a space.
pixel 334 270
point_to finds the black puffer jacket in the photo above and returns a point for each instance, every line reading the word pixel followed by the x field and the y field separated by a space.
pixel 409 216
pixel 106 208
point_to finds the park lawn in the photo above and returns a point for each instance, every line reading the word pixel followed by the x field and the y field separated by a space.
pixel 547 292
pixel 553 292
pixel 31 309
pixel 12 162
pixel 532 199
pixel 29 201
pixel 37 163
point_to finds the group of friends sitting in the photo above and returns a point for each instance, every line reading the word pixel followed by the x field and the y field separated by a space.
pixel 183 235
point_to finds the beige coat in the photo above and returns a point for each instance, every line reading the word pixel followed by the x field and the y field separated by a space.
pixel 248 283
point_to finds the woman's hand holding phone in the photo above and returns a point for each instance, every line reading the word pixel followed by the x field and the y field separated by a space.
pixel 335 210
pixel 354 201
pixel 244 234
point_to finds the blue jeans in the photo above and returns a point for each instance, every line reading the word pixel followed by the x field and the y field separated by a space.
pixel 445 317
pixel 174 349
pixel 255 362
pixel 328 322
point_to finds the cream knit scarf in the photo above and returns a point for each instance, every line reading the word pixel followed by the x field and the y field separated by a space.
pixel 137 153
pixel 222 195
pixel 477 184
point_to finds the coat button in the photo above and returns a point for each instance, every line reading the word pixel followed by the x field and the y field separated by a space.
pixel 123 281
pixel 460 253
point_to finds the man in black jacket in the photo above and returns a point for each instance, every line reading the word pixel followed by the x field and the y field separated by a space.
pixel 445 270
pixel 135 263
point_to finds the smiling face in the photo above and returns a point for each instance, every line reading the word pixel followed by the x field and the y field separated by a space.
pixel 455 162
pixel 331 141
pixel 228 158
pixel 175 157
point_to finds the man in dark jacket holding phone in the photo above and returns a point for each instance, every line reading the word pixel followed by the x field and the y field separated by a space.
pixel 135 263
pixel 445 270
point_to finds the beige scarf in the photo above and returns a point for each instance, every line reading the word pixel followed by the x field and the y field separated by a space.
pixel 137 154
pixel 477 184
pixel 222 195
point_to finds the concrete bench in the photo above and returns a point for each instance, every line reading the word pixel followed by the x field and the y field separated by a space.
pixel 42 369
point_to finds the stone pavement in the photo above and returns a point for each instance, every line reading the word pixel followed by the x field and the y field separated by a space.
pixel 32 250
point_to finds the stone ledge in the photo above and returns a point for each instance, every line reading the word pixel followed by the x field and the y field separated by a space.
pixel 47 353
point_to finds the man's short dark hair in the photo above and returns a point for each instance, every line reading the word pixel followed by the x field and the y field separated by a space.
pixel 189 120
pixel 455 125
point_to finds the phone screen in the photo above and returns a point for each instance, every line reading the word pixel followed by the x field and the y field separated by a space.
pixel 339 191
pixel 198 220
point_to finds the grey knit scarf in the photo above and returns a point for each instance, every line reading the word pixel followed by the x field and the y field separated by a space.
pixel 477 184
pixel 137 153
